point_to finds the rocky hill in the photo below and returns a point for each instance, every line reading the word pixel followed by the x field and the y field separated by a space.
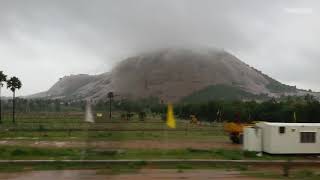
pixel 170 75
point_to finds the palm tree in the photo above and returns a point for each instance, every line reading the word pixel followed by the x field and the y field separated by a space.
pixel 110 96
pixel 3 78
pixel 13 84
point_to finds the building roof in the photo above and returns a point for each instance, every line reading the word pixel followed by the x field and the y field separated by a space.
pixel 291 124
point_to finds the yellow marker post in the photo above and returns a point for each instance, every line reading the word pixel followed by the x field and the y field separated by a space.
pixel 171 122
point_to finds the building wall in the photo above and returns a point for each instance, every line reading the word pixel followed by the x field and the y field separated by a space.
pixel 289 142
pixel 266 138
pixel 252 139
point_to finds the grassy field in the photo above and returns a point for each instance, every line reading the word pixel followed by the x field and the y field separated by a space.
pixel 53 126
pixel 67 136
pixel 19 152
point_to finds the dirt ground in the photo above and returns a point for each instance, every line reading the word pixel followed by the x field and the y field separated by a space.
pixel 132 144
pixel 146 174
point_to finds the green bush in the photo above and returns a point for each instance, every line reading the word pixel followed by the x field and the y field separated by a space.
pixel 19 152
pixel 228 154
pixel 184 166
pixel 305 174
pixel 193 150
pixel 249 154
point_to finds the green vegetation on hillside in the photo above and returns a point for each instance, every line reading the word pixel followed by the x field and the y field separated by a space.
pixel 220 92
pixel 276 86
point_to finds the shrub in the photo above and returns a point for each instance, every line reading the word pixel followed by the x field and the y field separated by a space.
pixel 249 154
pixel 305 174
pixel 19 152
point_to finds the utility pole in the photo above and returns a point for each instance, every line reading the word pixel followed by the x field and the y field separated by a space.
pixel 14 107
pixel 110 96
pixel 0 103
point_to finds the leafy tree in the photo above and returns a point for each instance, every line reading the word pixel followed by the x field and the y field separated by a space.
pixel 142 115
pixel 13 84
pixel 57 107
pixel 3 78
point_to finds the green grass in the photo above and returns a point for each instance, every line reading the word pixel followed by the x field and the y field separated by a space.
pixel 55 126
pixel 115 135
pixel 19 152
pixel 306 174
pixel 25 153
pixel 295 175
pixel 109 168
pixel 44 126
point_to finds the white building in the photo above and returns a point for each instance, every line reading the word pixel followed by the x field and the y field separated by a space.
pixel 283 138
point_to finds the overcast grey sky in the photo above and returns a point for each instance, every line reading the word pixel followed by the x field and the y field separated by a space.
pixel 43 40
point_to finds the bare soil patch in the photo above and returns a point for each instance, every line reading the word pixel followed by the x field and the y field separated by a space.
pixel 145 174
pixel 130 144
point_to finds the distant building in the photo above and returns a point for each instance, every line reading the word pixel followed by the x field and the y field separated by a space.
pixel 283 138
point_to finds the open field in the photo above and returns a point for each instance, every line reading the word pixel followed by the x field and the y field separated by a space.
pixel 67 136
pixel 60 132
pixel 73 127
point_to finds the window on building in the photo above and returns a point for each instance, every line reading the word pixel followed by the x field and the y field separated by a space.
pixel 307 137
pixel 282 130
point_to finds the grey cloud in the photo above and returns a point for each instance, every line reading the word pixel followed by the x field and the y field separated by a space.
pixel 62 37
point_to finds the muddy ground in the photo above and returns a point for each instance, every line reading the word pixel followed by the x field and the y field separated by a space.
pixel 145 174
pixel 132 144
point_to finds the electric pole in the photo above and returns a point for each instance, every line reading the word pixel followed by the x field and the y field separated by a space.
pixel 110 96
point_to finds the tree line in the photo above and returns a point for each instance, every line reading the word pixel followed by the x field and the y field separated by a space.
pixel 43 105
pixel 290 109
pixel 286 109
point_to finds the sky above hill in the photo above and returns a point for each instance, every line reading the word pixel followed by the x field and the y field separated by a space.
pixel 43 40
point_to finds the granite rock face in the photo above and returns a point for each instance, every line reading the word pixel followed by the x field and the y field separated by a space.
pixel 169 74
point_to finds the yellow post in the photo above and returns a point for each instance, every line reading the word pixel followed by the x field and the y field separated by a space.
pixel 171 122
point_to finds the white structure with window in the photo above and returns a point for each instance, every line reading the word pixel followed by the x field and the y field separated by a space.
pixel 283 138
